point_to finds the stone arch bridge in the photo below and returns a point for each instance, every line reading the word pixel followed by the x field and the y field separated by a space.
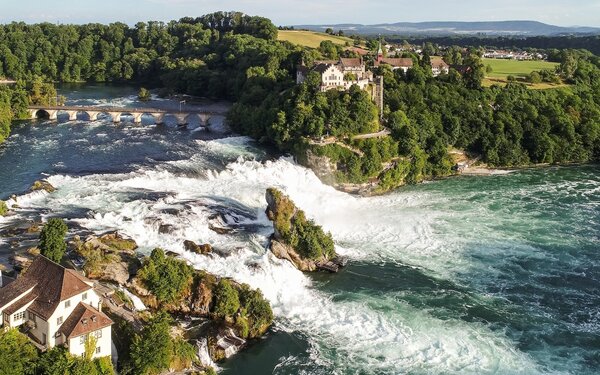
pixel 116 113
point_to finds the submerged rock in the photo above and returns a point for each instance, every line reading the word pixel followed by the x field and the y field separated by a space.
pixel 283 251
pixel 218 225
pixel 43 185
pixel 166 229
pixel 195 248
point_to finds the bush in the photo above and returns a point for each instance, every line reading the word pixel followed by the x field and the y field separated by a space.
pixel 167 278
pixel 227 300
pixel 184 354
pixel 535 77
pixel 3 208
pixel 52 239
pixel 257 310
pixel 17 354
pixel 152 350
pixel 144 95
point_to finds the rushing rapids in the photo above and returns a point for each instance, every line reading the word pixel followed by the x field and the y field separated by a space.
pixel 456 276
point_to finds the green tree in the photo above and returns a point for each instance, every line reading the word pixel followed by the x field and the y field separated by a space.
pixel 17 354
pixel 151 350
pixel 52 239
pixel 55 361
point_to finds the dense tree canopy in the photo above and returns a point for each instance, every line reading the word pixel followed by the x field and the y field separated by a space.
pixel 166 277
pixel 52 239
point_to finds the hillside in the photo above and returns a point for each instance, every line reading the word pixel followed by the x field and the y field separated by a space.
pixel 529 28
pixel 310 38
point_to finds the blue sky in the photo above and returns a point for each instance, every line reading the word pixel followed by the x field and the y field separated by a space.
pixel 289 12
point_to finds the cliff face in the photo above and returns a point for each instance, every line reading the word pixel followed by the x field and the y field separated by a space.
pixel 296 238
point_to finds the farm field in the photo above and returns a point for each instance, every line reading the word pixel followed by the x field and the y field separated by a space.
pixel 310 38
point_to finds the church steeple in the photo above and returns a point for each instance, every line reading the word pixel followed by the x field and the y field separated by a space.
pixel 379 51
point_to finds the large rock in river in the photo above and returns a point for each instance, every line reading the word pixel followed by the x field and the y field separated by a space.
pixel 296 238
pixel 195 248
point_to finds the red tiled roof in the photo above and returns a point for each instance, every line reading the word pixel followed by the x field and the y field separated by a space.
pixel 51 284
pixel 84 319
pixel 13 290
pixel 20 303
pixel 439 62
pixel 351 61
pixel 396 62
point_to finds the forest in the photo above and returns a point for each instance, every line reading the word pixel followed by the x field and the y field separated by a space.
pixel 232 56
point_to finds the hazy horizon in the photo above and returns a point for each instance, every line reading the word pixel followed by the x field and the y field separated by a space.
pixel 297 12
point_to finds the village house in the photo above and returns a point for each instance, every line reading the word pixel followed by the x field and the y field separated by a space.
pixel 394 62
pixel 56 306
pixel 439 66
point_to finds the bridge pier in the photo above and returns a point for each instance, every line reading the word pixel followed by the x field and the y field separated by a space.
pixel 115 116
pixel 181 118
pixel 53 114
pixel 159 118
pixel 72 115
pixel 33 113
pixel 204 119
pixel 93 115
pixel 137 117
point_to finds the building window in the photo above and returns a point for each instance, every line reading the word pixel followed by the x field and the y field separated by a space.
pixel 31 316
pixel 98 350
pixel 98 333
pixel 59 320
pixel 84 296
pixel 83 339
pixel 19 316
pixel 67 304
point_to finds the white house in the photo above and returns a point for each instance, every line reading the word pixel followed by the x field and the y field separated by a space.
pixel 56 306
pixel 334 73
pixel 439 66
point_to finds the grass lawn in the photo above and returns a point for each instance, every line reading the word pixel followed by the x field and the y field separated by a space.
pixel 504 68
pixel 501 69
pixel 310 38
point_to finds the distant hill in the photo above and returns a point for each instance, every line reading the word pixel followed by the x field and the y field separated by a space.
pixel 526 28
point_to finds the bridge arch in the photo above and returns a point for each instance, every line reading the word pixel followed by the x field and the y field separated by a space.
pixel 40 113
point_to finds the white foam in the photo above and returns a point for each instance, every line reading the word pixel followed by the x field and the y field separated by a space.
pixel 365 335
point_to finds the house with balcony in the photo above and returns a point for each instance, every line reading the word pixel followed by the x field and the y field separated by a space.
pixel 56 306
